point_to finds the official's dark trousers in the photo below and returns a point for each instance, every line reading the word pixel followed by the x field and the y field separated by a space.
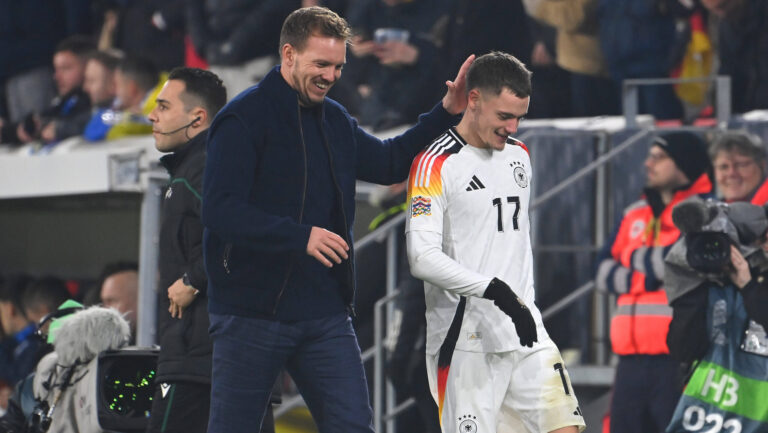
pixel 322 356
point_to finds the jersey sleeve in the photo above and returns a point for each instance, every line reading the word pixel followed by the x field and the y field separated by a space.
pixel 426 194
pixel 429 263
pixel 427 202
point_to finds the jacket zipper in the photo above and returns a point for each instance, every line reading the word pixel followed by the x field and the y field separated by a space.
pixel 350 276
pixel 301 211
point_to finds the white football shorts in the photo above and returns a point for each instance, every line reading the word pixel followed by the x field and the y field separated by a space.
pixel 526 390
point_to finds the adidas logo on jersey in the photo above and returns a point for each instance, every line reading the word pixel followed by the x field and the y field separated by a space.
pixel 475 184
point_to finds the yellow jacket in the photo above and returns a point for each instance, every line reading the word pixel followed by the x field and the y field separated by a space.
pixel 578 43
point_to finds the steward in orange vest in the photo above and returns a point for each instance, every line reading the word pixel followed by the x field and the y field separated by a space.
pixel 647 386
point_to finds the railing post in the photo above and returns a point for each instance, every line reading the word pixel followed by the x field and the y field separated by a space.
pixel 391 284
pixel 723 100
pixel 378 360
pixel 602 204
pixel 630 103
pixel 148 254
pixel 378 369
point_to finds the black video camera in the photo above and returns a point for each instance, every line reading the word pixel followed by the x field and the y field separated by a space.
pixel 710 228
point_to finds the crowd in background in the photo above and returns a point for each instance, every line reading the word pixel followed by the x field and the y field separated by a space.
pixel 92 68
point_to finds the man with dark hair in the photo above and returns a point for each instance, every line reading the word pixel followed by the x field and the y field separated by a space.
pixel 99 81
pixel 185 108
pixel 279 186
pixel 42 296
pixel 137 83
pixel 468 239
pixel 100 86
pixel 69 111
pixel 19 349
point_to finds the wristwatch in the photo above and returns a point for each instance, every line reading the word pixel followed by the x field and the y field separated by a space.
pixel 185 280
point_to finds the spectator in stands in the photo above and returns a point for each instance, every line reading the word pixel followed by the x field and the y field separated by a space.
pixel 102 91
pixel 186 105
pixel 238 38
pixel 29 32
pixel 120 290
pixel 552 83
pixel 481 26
pixel 69 111
pixel 743 44
pixel 153 29
pixel 631 265
pixel 137 83
pixel 42 296
pixel 739 160
pixel 638 39
pixel 19 349
pixel 397 44
pixel 578 52
pixel 99 81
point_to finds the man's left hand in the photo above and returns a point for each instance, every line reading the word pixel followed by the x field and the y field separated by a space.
pixel 181 295
pixel 455 99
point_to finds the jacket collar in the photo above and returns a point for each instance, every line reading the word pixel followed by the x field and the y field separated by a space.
pixel 282 93
pixel 703 185
pixel 173 160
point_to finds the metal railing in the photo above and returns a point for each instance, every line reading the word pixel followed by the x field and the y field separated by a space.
pixel 631 96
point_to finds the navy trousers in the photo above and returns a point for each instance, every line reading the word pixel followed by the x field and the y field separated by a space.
pixel 322 356
pixel 645 394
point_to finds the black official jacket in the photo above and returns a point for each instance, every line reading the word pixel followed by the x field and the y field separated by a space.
pixel 185 347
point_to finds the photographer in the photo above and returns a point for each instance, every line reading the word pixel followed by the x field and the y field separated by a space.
pixel 719 294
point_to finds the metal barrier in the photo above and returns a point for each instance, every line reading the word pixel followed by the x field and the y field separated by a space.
pixel 631 96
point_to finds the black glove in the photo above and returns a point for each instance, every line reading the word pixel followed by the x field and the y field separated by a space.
pixel 499 292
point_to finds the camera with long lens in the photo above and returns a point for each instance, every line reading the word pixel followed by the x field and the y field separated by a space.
pixel 710 228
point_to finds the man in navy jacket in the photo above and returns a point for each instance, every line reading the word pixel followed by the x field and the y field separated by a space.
pixel 278 209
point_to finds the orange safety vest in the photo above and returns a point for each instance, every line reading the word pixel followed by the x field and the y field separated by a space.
pixel 642 318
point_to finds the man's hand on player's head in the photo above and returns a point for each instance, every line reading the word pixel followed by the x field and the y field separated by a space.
pixel 502 295
pixel 455 99
pixel 324 245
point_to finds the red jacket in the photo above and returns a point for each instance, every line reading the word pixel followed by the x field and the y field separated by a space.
pixel 761 195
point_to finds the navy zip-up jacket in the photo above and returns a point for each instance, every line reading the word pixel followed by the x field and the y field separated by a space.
pixel 255 184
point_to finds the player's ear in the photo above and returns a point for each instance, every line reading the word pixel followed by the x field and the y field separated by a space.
pixel 473 98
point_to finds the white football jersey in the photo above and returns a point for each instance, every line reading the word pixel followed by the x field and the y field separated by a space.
pixel 468 223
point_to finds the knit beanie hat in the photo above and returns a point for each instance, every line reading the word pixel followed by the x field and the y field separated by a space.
pixel 688 150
